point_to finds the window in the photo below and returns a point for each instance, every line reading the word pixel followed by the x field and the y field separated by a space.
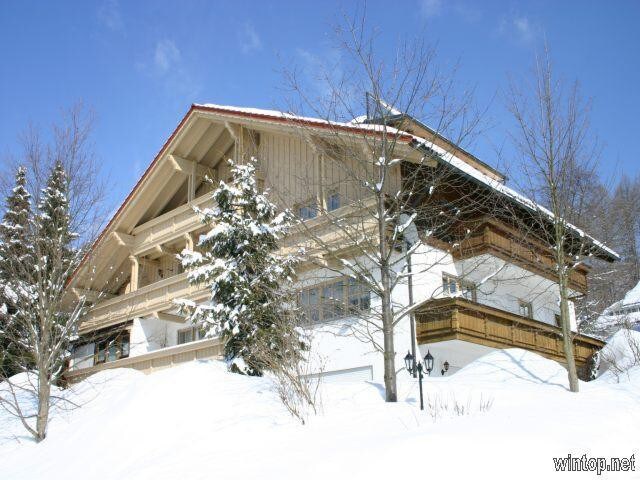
pixel 308 300
pixel 525 309
pixel 190 334
pixel 334 300
pixel 83 355
pixel 456 287
pixel 358 297
pixel 112 348
pixel 308 210
pixel 333 201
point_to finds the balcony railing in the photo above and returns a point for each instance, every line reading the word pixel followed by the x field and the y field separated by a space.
pixel 156 360
pixel 500 241
pixel 460 319
pixel 169 226
pixel 144 301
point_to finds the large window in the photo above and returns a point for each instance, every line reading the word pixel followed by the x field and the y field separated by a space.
pixel 335 299
pixel 456 287
pixel 191 334
pixel 112 348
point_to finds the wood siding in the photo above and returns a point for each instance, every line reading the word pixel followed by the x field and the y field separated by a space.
pixel 498 240
pixel 460 319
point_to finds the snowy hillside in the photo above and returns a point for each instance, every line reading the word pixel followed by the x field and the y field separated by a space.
pixel 197 421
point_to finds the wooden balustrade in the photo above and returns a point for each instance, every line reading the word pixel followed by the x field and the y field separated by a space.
pixel 143 301
pixel 156 360
pixel 500 241
pixel 460 319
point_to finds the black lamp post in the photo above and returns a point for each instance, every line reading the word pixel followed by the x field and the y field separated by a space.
pixel 411 366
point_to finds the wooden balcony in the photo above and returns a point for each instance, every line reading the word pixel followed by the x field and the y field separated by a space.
pixel 460 319
pixel 146 300
pixel 156 360
pixel 496 239
pixel 168 227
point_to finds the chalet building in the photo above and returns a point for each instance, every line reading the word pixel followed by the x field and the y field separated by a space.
pixel 490 288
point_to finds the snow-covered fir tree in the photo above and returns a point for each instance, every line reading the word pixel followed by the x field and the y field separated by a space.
pixel 16 253
pixel 42 327
pixel 53 224
pixel 238 260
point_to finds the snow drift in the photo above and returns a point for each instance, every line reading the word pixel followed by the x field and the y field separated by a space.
pixel 197 421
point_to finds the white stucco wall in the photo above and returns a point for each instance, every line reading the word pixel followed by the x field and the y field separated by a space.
pixel 342 344
pixel 500 285
pixel 149 334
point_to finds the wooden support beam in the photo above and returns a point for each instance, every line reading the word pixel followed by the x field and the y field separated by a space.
pixel 187 167
pixel 168 317
pixel 189 242
pixel 237 133
pixel 90 295
pixel 135 267
pixel 124 240
pixel 164 250
pixel 233 129
pixel 148 262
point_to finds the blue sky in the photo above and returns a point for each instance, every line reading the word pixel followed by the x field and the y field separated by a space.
pixel 140 65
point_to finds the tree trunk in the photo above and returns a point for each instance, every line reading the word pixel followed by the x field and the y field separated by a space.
pixel 567 340
pixel 44 389
pixel 390 386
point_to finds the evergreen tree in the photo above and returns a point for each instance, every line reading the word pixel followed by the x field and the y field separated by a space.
pixel 16 255
pixel 238 260
pixel 53 225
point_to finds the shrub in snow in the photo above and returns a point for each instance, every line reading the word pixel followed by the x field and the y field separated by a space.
pixel 238 260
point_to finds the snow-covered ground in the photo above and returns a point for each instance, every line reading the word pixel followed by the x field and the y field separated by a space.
pixel 197 421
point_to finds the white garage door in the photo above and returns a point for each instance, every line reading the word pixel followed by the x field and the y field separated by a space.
pixel 357 374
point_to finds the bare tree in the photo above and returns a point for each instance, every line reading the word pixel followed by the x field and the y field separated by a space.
pixel 382 193
pixel 625 208
pixel 40 320
pixel 70 142
pixel 559 160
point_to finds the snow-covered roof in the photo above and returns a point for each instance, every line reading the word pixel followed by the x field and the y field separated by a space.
pixel 505 190
pixel 628 305
pixel 352 126
pixel 446 156
pixel 625 312
pixel 632 296
pixel 265 114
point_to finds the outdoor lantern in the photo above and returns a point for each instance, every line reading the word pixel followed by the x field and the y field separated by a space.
pixel 428 362
pixel 408 362
pixel 446 367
